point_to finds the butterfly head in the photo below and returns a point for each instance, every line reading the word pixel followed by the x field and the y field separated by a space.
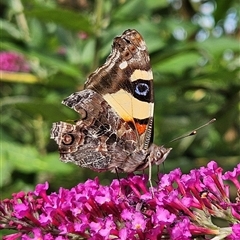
pixel 158 154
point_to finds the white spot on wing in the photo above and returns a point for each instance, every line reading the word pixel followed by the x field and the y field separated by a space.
pixel 123 65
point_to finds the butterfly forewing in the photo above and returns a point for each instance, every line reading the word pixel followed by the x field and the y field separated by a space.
pixel 125 81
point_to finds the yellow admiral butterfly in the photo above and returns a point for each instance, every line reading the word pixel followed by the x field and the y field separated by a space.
pixel 115 131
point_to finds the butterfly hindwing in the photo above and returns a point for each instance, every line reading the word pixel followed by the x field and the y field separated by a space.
pixel 101 140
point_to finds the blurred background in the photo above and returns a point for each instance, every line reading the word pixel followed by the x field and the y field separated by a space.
pixel 49 47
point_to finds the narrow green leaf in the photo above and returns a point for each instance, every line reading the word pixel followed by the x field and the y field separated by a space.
pixel 68 19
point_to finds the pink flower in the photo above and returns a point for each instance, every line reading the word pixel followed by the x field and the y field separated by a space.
pixel 13 62
pixel 181 208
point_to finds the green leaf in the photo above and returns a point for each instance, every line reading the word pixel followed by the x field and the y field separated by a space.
pixel 27 159
pixel 55 111
pixel 153 4
pixel 216 46
pixel 178 63
pixel 22 158
pixel 10 28
pixel 68 19
pixel 131 10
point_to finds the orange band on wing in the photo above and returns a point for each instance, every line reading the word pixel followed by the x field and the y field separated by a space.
pixel 141 128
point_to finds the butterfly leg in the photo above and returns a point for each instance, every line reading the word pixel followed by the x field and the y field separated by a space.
pixel 120 185
pixel 150 176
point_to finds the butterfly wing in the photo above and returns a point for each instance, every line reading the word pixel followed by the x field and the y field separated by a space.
pixel 125 81
pixel 116 108
pixel 101 140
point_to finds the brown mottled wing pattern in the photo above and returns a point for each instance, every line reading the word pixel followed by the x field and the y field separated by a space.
pixel 116 108
pixel 100 140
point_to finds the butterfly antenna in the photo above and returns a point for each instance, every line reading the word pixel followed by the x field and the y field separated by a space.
pixel 194 132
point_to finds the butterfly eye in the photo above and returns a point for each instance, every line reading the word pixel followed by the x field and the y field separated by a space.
pixel 159 154
pixel 68 139
pixel 142 89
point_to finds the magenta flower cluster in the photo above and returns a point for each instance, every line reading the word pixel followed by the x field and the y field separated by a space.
pixel 13 62
pixel 182 206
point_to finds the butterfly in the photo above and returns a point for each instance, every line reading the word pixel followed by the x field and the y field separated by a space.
pixel 115 130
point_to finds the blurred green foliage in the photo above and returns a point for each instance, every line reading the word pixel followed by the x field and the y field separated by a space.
pixel 194 50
